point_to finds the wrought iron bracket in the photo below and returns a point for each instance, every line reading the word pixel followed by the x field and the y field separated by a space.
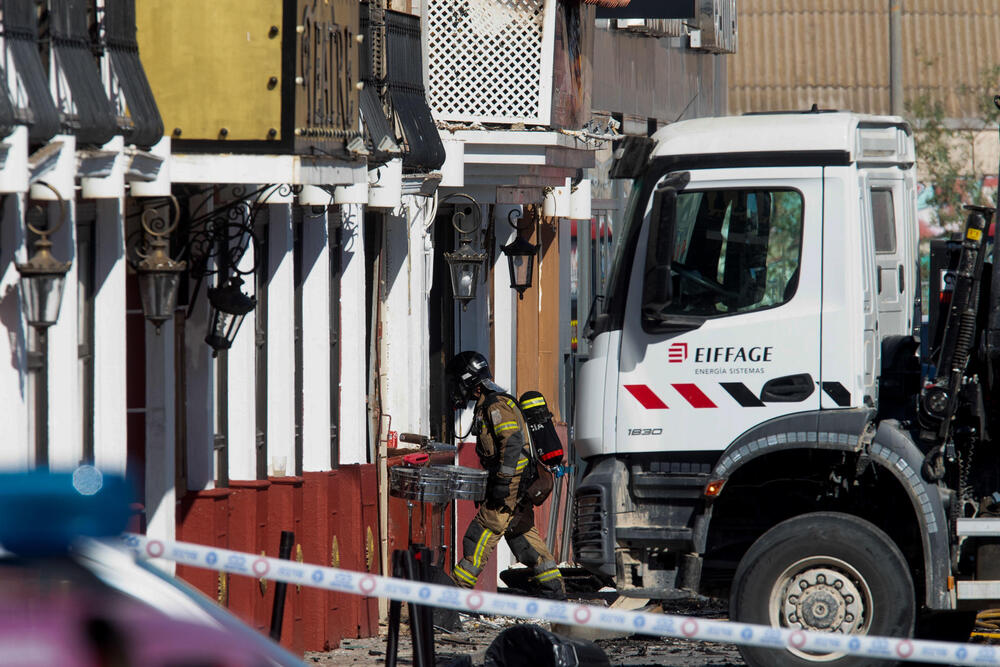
pixel 212 242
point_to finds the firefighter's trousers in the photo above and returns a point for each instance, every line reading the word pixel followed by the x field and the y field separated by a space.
pixel 527 545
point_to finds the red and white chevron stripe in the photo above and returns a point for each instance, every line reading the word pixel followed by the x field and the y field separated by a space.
pixel 740 393
pixel 689 392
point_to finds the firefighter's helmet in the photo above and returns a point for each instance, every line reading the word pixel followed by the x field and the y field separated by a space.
pixel 467 371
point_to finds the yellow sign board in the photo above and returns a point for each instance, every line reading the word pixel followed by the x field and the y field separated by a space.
pixel 214 67
pixel 259 71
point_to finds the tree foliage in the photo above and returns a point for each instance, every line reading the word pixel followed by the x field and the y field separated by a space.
pixel 946 149
pixel 948 167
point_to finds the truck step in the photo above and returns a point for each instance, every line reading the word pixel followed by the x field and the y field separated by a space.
pixel 668 536
pixel 978 590
pixel 979 527
pixel 667 485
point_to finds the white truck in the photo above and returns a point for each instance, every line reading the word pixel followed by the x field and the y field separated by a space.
pixel 753 414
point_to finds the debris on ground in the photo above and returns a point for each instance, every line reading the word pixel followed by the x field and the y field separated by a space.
pixel 527 643
pixel 593 634
pixel 469 644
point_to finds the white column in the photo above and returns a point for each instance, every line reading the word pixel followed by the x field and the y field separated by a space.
pixel 504 360
pixel 65 432
pixel 241 397
pixel 504 303
pixel 280 342
pixel 394 313
pixel 420 208
pixel 15 172
pixel 17 451
pixel 110 406
pixel 199 390
pixel 404 358
pixel 160 436
pixel 315 341
pixel 353 432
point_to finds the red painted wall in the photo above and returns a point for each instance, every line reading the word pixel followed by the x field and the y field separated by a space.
pixel 248 533
pixel 354 521
pixel 334 516
pixel 315 540
pixel 335 519
pixel 203 518
pixel 284 512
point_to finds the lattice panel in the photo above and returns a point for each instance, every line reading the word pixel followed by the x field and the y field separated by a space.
pixel 489 60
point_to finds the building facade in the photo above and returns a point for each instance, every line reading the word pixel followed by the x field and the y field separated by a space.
pixel 274 223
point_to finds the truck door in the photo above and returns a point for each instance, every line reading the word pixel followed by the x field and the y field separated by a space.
pixel 884 201
pixel 738 343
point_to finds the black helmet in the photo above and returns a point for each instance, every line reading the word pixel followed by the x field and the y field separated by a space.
pixel 467 370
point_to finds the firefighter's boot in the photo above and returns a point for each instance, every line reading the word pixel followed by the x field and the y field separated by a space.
pixel 549 580
pixel 465 574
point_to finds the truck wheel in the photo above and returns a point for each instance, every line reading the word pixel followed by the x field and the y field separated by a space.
pixel 827 572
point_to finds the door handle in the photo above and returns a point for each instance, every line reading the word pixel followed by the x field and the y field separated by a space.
pixel 902 279
pixel 878 280
pixel 788 389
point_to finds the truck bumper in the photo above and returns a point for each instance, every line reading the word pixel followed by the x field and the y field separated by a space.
pixel 640 528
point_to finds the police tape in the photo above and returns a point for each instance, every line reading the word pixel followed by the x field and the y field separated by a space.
pixel 501 604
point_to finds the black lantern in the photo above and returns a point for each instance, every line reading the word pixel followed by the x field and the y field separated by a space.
pixel 229 306
pixel 43 277
pixel 42 280
pixel 464 265
pixel 213 244
pixel 521 262
pixel 159 275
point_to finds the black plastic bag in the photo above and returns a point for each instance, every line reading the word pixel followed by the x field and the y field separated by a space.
pixel 533 645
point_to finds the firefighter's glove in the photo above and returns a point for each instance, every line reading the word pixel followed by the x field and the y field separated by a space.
pixel 497 493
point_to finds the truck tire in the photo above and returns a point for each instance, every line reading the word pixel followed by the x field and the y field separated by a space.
pixel 853 579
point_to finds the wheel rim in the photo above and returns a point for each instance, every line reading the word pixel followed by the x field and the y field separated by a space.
pixel 821 594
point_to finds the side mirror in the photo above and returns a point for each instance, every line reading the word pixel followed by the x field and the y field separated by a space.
pixel 658 288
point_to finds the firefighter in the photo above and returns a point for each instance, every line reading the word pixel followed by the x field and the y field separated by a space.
pixel 504 449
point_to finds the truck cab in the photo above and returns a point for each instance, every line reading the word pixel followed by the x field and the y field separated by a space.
pixel 764 292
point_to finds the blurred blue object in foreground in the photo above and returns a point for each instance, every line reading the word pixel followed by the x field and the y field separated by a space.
pixel 43 513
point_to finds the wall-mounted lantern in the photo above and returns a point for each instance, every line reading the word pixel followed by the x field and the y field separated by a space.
pixel 213 243
pixel 229 306
pixel 159 275
pixel 520 257
pixel 42 276
pixel 42 281
pixel 465 263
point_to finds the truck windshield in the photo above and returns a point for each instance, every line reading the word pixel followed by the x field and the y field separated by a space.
pixel 734 251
